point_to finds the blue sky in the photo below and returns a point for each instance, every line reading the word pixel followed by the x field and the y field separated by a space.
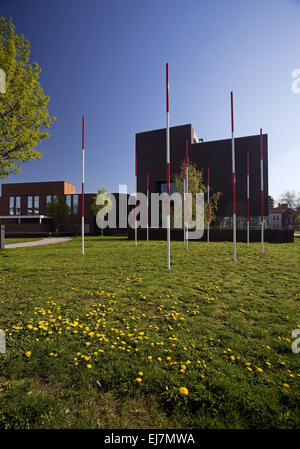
pixel 106 60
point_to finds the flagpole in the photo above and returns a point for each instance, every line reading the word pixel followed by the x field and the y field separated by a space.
pixel 233 180
pixel 168 169
pixel 135 211
pixel 147 206
pixel 248 200
pixel 262 190
pixel 208 205
pixel 184 201
pixel 187 193
pixel 82 186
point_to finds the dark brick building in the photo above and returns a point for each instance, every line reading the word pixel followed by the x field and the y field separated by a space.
pixel 23 208
pixel 151 158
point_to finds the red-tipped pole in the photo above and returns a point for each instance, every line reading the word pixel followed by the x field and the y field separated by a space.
pixel 233 180
pixel 184 200
pixel 135 210
pixel 248 200
pixel 187 192
pixel 168 169
pixel 262 190
pixel 82 187
pixel 208 204
pixel 147 206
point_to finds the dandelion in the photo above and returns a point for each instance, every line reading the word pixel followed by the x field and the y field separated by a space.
pixel 28 353
pixel 184 391
pixel 89 366
pixel 232 357
pixel 259 370
pixel 138 379
pixel 140 373
pixel 286 385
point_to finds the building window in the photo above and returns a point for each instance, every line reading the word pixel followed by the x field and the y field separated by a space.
pixel 12 205
pixel 29 205
pixel 163 187
pixel 36 205
pixel 69 203
pixel 48 199
pixel 75 204
pixel 18 205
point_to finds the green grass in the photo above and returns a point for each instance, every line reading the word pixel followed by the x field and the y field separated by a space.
pixel 89 324
pixel 10 240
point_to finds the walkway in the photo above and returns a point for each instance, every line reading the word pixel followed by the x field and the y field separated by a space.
pixel 46 241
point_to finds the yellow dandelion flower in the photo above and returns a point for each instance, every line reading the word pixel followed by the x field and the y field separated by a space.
pixel 286 385
pixel 138 379
pixel 184 391
pixel 28 353
pixel 89 366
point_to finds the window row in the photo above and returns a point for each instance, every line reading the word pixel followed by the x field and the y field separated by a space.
pixel 33 204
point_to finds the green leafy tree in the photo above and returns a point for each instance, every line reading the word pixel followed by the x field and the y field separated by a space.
pixel 107 203
pixel 196 185
pixel 24 117
pixel 58 210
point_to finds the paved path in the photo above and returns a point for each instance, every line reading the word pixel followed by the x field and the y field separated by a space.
pixel 46 241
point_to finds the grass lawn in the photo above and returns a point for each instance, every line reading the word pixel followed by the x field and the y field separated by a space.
pixel 108 339
pixel 9 240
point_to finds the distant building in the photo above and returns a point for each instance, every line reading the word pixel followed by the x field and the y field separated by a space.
pixel 282 217
pixel 270 202
pixel 23 208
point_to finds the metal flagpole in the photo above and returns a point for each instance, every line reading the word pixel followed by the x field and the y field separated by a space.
pixel 208 205
pixel 233 181
pixel 248 200
pixel 184 205
pixel 82 188
pixel 135 211
pixel 168 168
pixel 147 206
pixel 187 193
pixel 262 190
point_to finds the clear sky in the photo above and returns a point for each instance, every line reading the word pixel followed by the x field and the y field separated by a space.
pixel 106 60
